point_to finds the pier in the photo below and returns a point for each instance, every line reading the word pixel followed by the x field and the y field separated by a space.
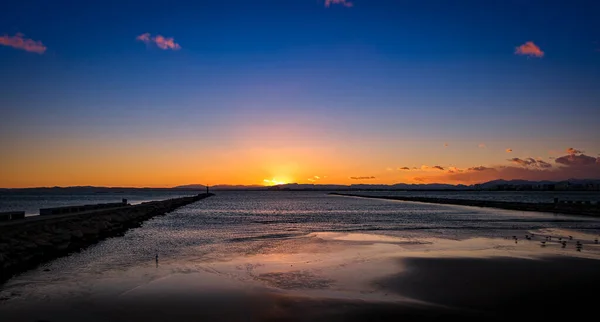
pixel 26 242
pixel 568 207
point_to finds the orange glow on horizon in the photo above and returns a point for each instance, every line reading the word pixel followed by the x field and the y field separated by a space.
pixel 269 156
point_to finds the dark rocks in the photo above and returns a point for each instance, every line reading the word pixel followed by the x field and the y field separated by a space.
pixel 24 244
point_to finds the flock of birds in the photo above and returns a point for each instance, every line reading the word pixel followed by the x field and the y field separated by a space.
pixel 561 240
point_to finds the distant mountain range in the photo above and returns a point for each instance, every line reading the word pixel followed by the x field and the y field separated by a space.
pixel 585 184
pixel 542 185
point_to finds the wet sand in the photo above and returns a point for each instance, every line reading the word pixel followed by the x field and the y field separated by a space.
pixel 330 277
pixel 502 287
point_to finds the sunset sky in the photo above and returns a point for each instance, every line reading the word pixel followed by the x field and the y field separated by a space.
pixel 165 93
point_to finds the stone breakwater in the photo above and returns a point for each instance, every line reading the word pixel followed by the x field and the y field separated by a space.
pixel 25 244
pixel 581 209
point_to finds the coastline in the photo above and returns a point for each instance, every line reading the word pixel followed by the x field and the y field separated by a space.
pixel 592 210
pixel 29 242
pixel 327 277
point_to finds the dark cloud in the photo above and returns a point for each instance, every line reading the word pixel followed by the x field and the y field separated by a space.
pixel 568 167
pixel 362 178
pixel 530 162
pixel 438 167
pixel 576 160
pixel 480 168
pixel 404 168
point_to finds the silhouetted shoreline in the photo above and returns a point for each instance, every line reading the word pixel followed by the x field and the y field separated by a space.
pixel 28 242
pixel 581 209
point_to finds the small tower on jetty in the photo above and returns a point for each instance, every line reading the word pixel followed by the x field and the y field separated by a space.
pixel 207 189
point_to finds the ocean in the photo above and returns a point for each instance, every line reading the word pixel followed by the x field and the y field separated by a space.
pixel 307 243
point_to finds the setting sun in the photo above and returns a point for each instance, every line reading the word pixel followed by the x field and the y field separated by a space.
pixel 275 182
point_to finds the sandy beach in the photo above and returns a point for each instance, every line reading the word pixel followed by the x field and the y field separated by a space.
pixel 329 277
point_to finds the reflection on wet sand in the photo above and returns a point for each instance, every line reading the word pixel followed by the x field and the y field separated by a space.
pixel 326 276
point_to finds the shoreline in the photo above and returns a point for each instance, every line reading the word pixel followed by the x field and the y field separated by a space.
pixel 29 242
pixel 592 210
pixel 327 277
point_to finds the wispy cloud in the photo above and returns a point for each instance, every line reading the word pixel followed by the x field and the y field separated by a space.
pixel 446 145
pixel 574 151
pixel 479 168
pixel 481 145
pixel 19 41
pixel 530 162
pixel 362 178
pixel 508 150
pixel 345 3
pixel 454 170
pixel 164 43
pixel 314 179
pixel 529 49
pixel 435 168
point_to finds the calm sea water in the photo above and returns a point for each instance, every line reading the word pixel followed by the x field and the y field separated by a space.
pixel 31 202
pixel 249 222
pixel 511 196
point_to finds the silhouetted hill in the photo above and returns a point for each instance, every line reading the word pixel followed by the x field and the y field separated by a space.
pixel 571 184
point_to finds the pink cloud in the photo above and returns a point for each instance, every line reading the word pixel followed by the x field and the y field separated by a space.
pixel 345 3
pixel 529 49
pixel 482 145
pixel 144 37
pixel 18 41
pixel 161 42
pixel 508 150
pixel 570 166
pixel 573 151
pixel 454 170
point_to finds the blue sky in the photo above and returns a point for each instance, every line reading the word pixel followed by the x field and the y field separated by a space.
pixel 380 73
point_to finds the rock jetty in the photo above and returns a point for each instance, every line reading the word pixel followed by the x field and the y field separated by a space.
pixel 563 207
pixel 26 243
